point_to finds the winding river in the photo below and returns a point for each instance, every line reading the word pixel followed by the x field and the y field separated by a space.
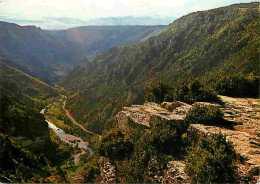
pixel 70 139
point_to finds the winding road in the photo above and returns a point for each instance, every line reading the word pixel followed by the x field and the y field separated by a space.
pixel 74 121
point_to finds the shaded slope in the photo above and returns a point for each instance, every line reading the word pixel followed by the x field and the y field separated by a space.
pixel 32 50
pixel 19 166
pixel 47 54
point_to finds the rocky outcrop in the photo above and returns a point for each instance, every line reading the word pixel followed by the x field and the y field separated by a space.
pixel 145 114
pixel 175 173
pixel 107 171
pixel 244 115
pixel 242 128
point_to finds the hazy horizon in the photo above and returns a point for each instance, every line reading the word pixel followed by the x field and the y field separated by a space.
pixel 63 14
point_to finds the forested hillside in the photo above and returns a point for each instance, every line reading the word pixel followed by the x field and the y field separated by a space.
pixel 90 41
pixel 22 98
pixel 205 44
pixel 19 166
pixel 28 150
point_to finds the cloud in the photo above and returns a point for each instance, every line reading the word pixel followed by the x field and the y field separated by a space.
pixel 88 8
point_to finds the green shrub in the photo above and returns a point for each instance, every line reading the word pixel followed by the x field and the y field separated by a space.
pixel 193 91
pixel 138 168
pixel 237 85
pixel 163 136
pixel 189 92
pixel 89 172
pixel 204 114
pixel 157 91
pixel 115 145
pixel 211 160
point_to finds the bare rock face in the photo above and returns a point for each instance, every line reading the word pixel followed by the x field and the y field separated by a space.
pixel 145 114
pixel 244 113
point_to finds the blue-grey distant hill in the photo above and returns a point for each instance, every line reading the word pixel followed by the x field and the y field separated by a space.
pixel 90 41
pixel 48 54
pixel 62 23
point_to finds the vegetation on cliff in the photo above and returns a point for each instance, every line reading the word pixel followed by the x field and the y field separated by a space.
pixel 211 160
pixel 204 114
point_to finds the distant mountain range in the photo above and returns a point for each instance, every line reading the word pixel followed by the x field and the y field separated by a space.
pixel 58 23
pixel 48 54
pixel 130 20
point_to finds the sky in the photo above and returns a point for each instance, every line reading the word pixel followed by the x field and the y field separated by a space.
pixel 40 11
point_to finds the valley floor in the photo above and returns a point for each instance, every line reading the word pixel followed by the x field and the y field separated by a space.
pixel 68 138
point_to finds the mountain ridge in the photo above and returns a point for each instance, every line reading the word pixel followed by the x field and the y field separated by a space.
pixel 48 54
pixel 204 44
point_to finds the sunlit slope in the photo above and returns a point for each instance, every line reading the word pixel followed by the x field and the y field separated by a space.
pixel 31 91
pixel 203 44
